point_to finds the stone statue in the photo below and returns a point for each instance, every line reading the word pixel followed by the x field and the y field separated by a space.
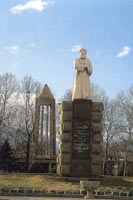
pixel 81 85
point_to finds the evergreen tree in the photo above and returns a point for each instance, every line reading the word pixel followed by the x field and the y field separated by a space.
pixel 7 160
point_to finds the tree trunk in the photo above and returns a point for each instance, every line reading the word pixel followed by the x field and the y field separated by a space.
pixel 125 167
pixel 28 154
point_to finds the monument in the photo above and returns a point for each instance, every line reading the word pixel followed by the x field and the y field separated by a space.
pixel 42 157
pixel 80 127
pixel 44 136
pixel 44 126
pixel 81 86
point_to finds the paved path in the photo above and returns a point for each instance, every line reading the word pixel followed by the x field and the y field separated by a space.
pixel 41 198
pixel 38 198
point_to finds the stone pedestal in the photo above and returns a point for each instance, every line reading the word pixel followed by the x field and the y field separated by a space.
pixel 65 139
pixel 79 151
pixel 81 138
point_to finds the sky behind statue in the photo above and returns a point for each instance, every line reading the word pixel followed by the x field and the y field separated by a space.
pixel 41 38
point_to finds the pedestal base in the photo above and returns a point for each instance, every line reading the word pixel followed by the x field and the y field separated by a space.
pixel 80 138
pixel 89 195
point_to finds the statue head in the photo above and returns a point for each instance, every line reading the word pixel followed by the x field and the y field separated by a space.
pixel 82 52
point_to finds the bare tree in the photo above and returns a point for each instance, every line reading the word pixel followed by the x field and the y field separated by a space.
pixel 97 93
pixel 24 120
pixel 125 122
pixel 67 96
pixel 109 125
pixel 29 90
pixel 8 89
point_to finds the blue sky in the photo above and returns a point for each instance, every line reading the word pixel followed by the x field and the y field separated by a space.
pixel 41 38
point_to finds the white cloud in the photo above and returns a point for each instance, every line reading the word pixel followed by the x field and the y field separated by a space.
pixel 76 48
pixel 33 45
pixel 12 49
pixel 37 5
pixel 126 51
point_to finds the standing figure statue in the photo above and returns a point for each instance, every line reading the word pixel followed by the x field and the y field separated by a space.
pixel 81 85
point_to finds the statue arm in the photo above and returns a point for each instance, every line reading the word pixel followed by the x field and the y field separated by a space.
pixel 77 66
pixel 89 68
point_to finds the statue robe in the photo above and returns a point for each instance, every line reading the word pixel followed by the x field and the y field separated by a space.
pixel 81 85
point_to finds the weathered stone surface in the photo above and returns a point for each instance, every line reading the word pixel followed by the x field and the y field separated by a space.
pixel 65 106
pixel 67 126
pixel 96 117
pixel 66 116
pixel 81 133
pixel 59 148
pixel 45 103
pixel 80 139
pixel 97 107
pixel 96 170
pixel 96 148
pixel 58 160
pixel 66 147
pixel 59 169
pixel 65 158
pixel 96 158
pixel 81 84
pixel 80 168
pixel 65 169
pixel 97 138
pixel 96 127
pixel 60 128
pixel 82 110
pixel 67 137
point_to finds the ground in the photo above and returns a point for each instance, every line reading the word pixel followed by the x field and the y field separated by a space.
pixel 47 182
pixel 54 182
pixel 41 198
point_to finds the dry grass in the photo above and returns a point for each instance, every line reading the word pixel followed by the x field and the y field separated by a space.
pixel 117 181
pixel 53 182
pixel 47 182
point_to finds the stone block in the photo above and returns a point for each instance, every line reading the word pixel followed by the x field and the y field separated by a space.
pixel 96 127
pixel 66 147
pixel 97 138
pixel 65 116
pixel 59 148
pixel 97 107
pixel 96 158
pixel 59 169
pixel 96 117
pixel 60 128
pixel 66 137
pixel 65 158
pixel 67 126
pixel 96 148
pixel 65 169
pixel 65 106
pixel 57 160
pixel 82 109
pixel 80 168
pixel 96 170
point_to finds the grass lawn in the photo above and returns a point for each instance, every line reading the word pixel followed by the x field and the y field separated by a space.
pixel 54 182
pixel 117 181
pixel 47 182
